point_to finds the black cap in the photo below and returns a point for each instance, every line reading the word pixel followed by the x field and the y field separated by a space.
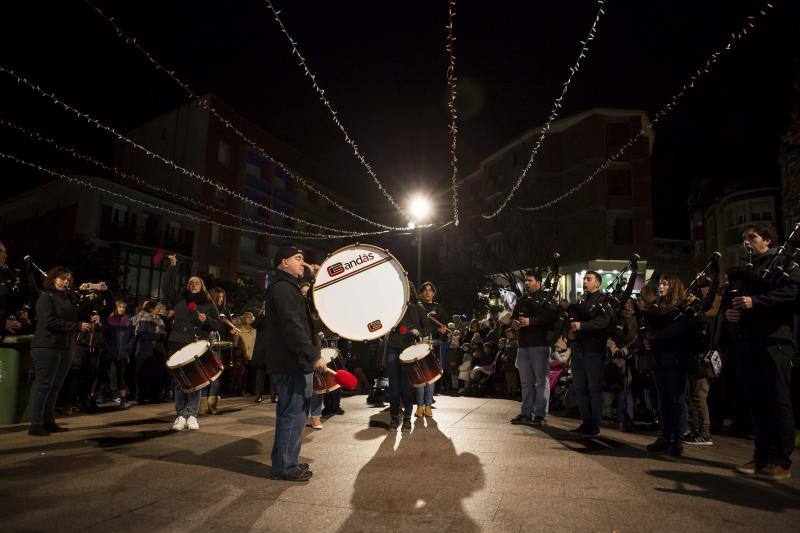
pixel 285 252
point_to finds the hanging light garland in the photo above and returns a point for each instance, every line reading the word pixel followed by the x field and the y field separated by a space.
pixel 451 83
pixel 325 102
pixel 204 103
pixel 666 110
pixel 152 186
pixel 554 112
pixel 149 205
pixel 97 124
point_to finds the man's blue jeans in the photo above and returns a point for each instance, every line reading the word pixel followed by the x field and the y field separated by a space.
pixel 294 398
pixel 587 385
pixel 534 373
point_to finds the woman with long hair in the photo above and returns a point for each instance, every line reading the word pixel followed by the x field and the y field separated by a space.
pixel 56 321
pixel 195 318
pixel 672 338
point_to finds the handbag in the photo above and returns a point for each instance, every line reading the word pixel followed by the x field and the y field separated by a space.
pixel 711 364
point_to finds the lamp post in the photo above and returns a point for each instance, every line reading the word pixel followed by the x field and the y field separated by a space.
pixel 420 209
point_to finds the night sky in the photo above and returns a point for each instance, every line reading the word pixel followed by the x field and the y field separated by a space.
pixel 383 67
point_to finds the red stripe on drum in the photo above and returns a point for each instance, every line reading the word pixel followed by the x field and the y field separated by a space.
pixel 353 273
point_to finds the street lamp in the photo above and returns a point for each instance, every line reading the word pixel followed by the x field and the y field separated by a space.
pixel 420 209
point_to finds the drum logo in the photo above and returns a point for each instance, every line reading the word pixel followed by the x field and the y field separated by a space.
pixel 335 269
pixel 375 325
pixel 339 268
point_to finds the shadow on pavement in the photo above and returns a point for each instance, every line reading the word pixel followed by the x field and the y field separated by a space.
pixel 414 479
pixel 743 492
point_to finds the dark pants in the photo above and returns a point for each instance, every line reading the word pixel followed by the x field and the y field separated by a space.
pixel 766 374
pixel 120 372
pixel 671 385
pixel 294 399
pixel 51 367
pixel 587 384
pixel 333 400
pixel 87 358
pixel 399 385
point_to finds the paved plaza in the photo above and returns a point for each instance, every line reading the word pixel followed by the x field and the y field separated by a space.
pixel 467 470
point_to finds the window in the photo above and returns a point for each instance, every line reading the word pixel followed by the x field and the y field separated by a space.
pixel 617 134
pixel 216 235
pixel 252 170
pixel 119 214
pixel 623 231
pixel 740 214
pixel 219 196
pixel 174 231
pixel 223 153
pixel 761 210
pixel 619 182
pixel 249 243
pixel 214 271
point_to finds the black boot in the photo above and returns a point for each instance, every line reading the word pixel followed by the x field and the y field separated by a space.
pixel 676 448
pixel 52 427
pixel 38 430
pixel 660 445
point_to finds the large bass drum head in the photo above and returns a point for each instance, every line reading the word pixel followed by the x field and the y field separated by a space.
pixel 361 292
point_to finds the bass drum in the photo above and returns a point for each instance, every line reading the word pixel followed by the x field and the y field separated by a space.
pixel 361 292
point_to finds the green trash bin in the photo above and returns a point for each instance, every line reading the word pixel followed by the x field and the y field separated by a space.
pixel 9 385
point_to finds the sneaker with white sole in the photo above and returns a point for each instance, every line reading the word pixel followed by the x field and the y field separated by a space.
pixel 191 423
pixel 180 424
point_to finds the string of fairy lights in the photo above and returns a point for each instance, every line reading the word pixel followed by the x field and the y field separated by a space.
pixel 205 104
pixel 156 207
pixel 451 104
pixel 74 153
pixel 337 233
pixel 194 175
pixel 326 102
pixel 554 112
pixel 705 68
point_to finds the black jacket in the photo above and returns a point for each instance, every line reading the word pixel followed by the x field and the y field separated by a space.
pixel 56 320
pixel 595 318
pixel 542 320
pixel 429 327
pixel 673 342
pixel 774 305
pixel 285 341
pixel 400 337
pixel 186 324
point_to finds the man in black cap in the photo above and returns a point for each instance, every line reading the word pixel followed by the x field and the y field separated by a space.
pixel 292 356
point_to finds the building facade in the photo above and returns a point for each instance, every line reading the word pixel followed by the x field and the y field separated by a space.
pixel 603 223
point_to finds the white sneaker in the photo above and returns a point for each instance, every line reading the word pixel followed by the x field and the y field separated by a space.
pixel 180 424
pixel 191 423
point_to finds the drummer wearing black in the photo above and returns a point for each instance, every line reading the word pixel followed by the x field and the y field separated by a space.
pixel 292 356
pixel 400 338
pixel 195 318
pixel 437 332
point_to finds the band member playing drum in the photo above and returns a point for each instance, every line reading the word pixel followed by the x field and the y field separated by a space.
pixel 534 319
pixel 400 338
pixel 759 321
pixel 195 318
pixel 292 357
pixel 436 331
pixel 591 318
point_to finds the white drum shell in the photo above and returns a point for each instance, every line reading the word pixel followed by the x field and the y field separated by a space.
pixel 361 292
pixel 187 354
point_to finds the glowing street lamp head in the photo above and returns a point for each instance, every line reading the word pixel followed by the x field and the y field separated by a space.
pixel 420 208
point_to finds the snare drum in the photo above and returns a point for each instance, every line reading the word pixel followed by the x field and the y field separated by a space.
pixel 195 366
pixel 325 382
pixel 421 364
pixel 361 292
